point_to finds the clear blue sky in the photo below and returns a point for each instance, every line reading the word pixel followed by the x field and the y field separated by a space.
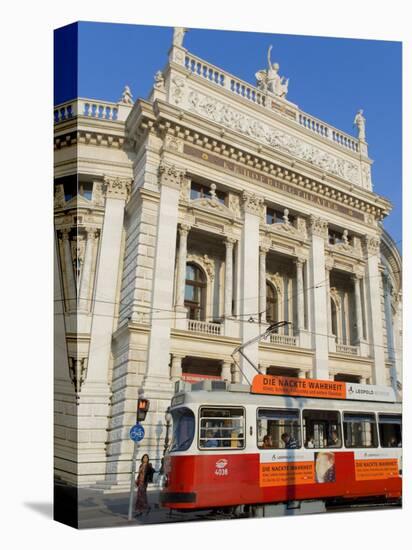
pixel 330 78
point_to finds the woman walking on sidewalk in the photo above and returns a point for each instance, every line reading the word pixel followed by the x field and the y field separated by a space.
pixel 144 476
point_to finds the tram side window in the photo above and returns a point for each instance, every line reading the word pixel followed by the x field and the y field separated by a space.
pixel 222 427
pixel 321 429
pixel 360 430
pixel 278 429
pixel 390 430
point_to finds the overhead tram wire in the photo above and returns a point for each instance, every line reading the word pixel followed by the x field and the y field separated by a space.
pixel 318 285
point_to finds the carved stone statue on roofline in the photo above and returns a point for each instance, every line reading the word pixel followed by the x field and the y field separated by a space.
pixel 127 97
pixel 178 36
pixel 359 122
pixel 269 80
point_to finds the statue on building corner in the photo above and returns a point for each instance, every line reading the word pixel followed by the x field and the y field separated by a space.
pixel 127 97
pixel 178 36
pixel 159 80
pixel 269 80
pixel 359 122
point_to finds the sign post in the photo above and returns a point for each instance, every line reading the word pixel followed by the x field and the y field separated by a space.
pixel 136 434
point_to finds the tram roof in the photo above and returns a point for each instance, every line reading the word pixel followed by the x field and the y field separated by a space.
pixel 221 392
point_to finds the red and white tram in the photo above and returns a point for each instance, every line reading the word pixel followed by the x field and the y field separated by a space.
pixel 283 443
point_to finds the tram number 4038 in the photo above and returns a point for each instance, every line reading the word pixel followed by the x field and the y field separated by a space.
pixel 221 468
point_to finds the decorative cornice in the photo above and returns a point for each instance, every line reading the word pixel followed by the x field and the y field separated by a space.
pixel 372 206
pixel 234 119
pixel 115 187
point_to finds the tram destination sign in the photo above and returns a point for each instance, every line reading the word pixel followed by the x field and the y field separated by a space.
pixel 326 389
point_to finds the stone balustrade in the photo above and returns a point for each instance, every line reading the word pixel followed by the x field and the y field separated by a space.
pixel 200 68
pixel 91 108
pixel 347 349
pixel 204 327
pixel 283 339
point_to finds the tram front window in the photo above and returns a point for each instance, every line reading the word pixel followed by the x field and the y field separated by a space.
pixel 222 428
pixel 390 430
pixel 183 429
pixel 278 429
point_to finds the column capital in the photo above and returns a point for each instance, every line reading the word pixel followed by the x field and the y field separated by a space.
pixel 357 276
pixel 230 242
pixel 299 261
pixel 184 228
pixel 252 203
pixel 65 232
pixel 329 264
pixel 116 187
pixel 90 232
pixel 170 175
pixel 264 245
pixel 372 244
pixel 318 227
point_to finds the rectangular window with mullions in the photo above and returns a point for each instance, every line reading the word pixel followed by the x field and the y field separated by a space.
pixel 278 429
pixel 221 428
pixel 359 430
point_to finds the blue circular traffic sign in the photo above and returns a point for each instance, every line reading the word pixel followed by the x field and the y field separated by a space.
pixel 136 433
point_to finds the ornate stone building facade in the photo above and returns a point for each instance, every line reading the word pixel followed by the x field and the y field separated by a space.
pixel 186 223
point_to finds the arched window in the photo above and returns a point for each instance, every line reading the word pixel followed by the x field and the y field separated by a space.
pixel 195 292
pixel 271 304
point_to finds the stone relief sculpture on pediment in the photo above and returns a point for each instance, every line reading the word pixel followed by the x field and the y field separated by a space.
pixel 223 114
pixel 287 228
pixel 212 203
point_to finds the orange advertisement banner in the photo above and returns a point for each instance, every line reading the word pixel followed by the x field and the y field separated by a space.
pixel 285 385
pixel 383 468
pixel 280 474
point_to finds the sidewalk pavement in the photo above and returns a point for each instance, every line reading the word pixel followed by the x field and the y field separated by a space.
pixel 98 509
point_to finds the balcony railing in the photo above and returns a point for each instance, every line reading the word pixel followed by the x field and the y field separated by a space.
pixel 204 327
pixel 347 349
pixel 283 339
pixel 92 108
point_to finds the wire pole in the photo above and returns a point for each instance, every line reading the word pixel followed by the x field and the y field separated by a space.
pixel 135 448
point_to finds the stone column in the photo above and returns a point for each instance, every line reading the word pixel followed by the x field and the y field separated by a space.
pixel 94 398
pixel 300 298
pixel 319 313
pixel 181 265
pixel 68 270
pixel 372 249
pixel 389 330
pixel 227 371
pixel 358 307
pixel 176 370
pixel 156 378
pixel 249 265
pixel 328 269
pixel 84 303
pixel 229 242
pixel 264 249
